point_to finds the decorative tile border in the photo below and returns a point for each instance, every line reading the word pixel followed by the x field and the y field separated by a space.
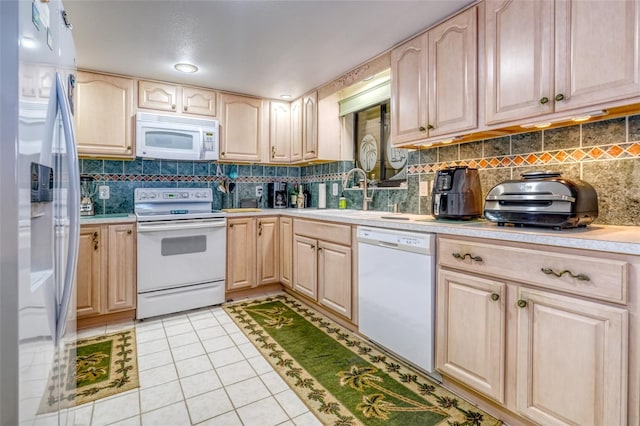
pixel 575 155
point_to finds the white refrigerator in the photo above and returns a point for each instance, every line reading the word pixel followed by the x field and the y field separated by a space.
pixel 39 211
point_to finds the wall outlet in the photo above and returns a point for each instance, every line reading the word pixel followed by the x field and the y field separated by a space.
pixel 103 192
pixel 334 189
pixel 258 191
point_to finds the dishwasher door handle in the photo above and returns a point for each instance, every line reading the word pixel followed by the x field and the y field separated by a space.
pixel 388 245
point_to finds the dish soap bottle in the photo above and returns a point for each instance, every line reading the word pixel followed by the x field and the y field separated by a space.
pixel 342 202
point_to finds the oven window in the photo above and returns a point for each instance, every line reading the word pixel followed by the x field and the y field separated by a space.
pixel 183 245
pixel 170 140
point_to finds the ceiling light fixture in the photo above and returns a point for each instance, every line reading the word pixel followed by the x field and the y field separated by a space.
pixel 185 67
pixel 285 97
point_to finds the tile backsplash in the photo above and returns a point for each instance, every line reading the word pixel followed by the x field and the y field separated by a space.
pixel 604 153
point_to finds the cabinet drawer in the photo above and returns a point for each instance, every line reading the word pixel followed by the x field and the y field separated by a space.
pixel 332 232
pixel 580 272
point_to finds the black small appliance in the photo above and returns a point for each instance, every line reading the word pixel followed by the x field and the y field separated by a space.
pixel 457 193
pixel 277 197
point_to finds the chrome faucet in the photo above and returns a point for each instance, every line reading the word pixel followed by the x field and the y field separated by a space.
pixel 365 195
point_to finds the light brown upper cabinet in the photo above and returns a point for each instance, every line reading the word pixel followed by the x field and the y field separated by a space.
pixel 280 132
pixel 199 101
pixel 240 128
pixel 296 130
pixel 104 115
pixel 544 57
pixel 434 81
pixel 176 98
pixel 310 126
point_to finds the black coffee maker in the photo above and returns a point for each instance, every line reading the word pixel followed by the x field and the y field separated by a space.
pixel 457 194
pixel 277 197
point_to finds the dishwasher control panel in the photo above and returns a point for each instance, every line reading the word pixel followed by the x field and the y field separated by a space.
pixel 401 240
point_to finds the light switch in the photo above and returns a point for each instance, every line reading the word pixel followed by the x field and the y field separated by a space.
pixel 425 188
pixel 334 189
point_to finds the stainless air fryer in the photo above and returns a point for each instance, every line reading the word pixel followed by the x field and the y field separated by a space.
pixel 457 194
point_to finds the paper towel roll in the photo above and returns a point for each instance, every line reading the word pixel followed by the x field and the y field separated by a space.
pixel 322 196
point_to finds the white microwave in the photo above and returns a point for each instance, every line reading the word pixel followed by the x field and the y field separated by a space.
pixel 175 137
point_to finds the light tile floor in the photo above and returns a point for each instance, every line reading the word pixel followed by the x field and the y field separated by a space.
pixel 196 368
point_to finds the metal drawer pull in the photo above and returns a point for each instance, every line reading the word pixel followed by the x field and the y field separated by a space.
pixel 522 303
pixel 495 297
pixel 581 277
pixel 464 256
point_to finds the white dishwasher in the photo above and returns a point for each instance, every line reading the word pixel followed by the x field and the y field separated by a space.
pixel 396 292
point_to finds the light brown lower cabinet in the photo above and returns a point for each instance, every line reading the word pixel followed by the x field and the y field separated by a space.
pixel 322 264
pixel 286 251
pixel 544 354
pixel 252 252
pixel 106 272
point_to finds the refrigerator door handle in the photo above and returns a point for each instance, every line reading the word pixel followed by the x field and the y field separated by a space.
pixel 73 199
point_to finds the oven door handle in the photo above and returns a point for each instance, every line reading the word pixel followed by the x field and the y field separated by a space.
pixel 173 226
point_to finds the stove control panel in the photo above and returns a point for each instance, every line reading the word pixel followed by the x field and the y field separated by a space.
pixel 173 195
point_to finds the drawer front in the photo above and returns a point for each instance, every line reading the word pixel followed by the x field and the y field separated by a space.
pixel 325 231
pixel 582 274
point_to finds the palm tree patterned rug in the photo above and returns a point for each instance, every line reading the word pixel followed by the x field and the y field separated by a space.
pixel 343 379
pixel 93 368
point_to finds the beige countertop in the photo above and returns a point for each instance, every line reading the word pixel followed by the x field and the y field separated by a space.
pixel 615 239
pixel 100 219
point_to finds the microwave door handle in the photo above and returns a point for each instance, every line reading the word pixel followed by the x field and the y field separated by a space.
pixel 202 145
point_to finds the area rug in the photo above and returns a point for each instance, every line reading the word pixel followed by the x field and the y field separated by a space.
pixel 343 379
pixel 102 366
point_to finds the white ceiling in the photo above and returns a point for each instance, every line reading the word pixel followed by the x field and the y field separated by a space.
pixel 263 48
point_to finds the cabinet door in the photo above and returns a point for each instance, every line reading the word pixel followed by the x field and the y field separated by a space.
pixel 286 251
pixel 268 250
pixel 452 75
pixel 159 96
pixel 310 126
pixel 571 360
pixel 519 59
pixel 305 266
pixel 199 101
pixel 104 115
pixel 241 253
pixel 597 51
pixel 334 277
pixel 296 130
pixel 409 91
pixel 89 275
pixel 121 282
pixel 280 132
pixel 470 334
pixel 240 125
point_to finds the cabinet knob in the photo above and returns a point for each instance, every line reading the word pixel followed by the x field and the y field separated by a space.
pixel 231 225
pixel 129 232
pixel 422 129
pixel 430 127
pixel 312 247
pixel 186 108
pixel 95 234
pixel 495 297
pixel 173 106
pixel 522 303
pixel 559 97
pixel 544 100
pixel 129 148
